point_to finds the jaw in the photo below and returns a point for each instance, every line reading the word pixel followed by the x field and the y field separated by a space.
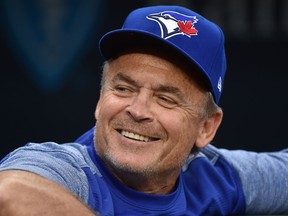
pixel 138 157
pixel 143 179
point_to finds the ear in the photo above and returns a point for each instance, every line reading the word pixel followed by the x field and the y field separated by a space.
pixel 209 128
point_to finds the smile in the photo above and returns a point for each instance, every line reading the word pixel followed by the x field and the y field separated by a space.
pixel 134 136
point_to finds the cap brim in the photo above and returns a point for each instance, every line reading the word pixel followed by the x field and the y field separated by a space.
pixel 117 41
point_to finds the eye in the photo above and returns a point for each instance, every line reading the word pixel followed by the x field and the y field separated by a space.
pixel 166 101
pixel 123 90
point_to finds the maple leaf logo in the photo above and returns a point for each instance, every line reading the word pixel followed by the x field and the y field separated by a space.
pixel 172 23
pixel 187 27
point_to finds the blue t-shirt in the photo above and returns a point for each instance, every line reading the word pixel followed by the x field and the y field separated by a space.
pixel 212 182
pixel 203 188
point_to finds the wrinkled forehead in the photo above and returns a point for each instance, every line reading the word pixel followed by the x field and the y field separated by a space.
pixel 191 71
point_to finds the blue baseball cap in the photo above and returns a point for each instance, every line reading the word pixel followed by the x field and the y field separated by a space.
pixel 183 32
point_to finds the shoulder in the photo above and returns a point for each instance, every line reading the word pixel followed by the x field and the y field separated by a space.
pixel 208 174
pixel 263 177
pixel 67 164
pixel 47 152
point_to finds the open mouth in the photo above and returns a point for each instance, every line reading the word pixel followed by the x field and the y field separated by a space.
pixel 137 137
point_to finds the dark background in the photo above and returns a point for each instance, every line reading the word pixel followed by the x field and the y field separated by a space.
pixel 50 68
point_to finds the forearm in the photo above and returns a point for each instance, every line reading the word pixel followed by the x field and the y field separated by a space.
pixel 23 193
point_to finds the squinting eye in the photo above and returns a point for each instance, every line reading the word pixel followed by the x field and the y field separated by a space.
pixel 166 102
pixel 123 90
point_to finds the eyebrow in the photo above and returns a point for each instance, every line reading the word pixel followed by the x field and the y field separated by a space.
pixel 125 78
pixel 172 90
pixel 161 88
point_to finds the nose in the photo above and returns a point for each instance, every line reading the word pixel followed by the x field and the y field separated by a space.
pixel 140 108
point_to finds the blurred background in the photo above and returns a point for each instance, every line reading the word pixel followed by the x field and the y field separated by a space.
pixel 50 68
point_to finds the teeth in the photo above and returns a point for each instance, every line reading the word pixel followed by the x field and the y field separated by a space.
pixel 135 136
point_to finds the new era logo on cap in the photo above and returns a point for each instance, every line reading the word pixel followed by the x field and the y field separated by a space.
pixel 180 31
pixel 172 23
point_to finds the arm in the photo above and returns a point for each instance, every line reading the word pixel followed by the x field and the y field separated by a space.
pixel 264 178
pixel 25 193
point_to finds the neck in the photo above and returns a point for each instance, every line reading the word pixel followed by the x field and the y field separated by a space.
pixel 147 183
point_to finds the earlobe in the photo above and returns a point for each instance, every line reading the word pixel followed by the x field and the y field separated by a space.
pixel 209 129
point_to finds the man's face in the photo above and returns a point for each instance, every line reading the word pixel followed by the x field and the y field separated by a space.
pixel 148 115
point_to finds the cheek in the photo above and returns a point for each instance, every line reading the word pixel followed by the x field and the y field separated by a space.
pixel 108 106
pixel 178 122
pixel 180 140
pixel 182 130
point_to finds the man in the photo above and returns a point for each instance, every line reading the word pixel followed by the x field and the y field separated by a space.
pixel 149 152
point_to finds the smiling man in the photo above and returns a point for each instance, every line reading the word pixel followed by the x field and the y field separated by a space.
pixel 149 153
pixel 148 123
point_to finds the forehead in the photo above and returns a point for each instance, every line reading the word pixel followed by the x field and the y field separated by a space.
pixel 147 65
pixel 146 69
pixel 148 57
pixel 186 66
pixel 153 72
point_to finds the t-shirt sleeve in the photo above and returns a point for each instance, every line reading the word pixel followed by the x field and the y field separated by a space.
pixel 59 163
pixel 264 178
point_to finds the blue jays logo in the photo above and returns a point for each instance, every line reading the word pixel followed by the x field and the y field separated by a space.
pixel 172 23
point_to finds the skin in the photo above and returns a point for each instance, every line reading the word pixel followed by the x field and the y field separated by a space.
pixel 150 96
pixel 144 94
pixel 27 194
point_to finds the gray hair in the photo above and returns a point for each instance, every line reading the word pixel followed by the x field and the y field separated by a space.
pixel 104 72
pixel 210 107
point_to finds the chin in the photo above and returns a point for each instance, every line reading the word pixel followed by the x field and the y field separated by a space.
pixel 133 165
